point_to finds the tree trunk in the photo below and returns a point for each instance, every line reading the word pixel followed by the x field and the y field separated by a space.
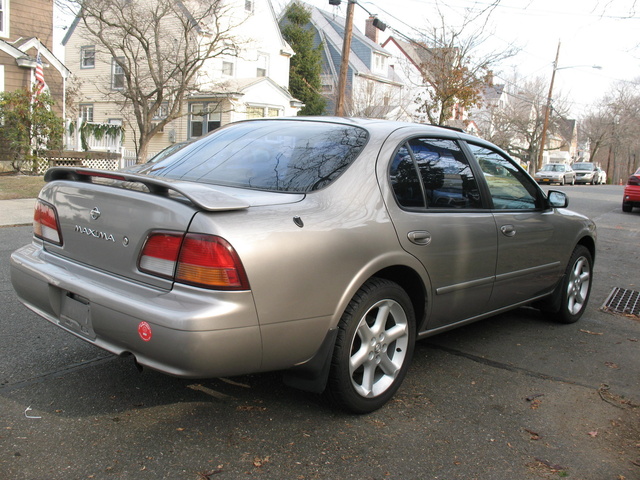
pixel 143 149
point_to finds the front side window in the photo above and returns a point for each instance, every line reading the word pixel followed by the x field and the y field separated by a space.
pixel 117 75
pixel 274 155
pixel 433 173
pixel 510 188
pixel 88 57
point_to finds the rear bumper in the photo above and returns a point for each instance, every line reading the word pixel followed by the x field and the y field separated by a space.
pixel 543 180
pixel 631 195
pixel 584 178
pixel 186 332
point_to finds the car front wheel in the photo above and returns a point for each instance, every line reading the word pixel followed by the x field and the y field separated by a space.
pixel 576 286
pixel 626 207
pixel 374 347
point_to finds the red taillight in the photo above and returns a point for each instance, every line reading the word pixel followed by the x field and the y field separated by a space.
pixel 211 262
pixel 160 254
pixel 45 223
pixel 195 259
pixel 633 180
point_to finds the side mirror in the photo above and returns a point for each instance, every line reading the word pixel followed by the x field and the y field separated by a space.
pixel 558 199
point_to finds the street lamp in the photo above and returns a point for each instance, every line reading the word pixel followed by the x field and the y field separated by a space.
pixel 545 124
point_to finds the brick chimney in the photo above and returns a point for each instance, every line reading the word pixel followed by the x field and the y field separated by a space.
pixel 370 31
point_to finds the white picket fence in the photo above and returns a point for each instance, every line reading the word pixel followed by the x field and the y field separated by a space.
pixel 120 157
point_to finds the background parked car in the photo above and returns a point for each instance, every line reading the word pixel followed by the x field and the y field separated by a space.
pixel 587 172
pixel 560 173
pixel 631 196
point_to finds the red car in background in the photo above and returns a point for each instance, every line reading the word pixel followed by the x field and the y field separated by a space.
pixel 631 196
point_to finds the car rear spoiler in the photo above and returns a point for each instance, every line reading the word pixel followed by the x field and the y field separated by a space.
pixel 203 196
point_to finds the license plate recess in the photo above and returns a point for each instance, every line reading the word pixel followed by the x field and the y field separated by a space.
pixel 75 314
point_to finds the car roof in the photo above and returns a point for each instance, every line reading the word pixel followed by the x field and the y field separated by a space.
pixel 380 126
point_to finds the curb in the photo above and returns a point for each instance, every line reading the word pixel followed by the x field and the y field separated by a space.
pixel 16 212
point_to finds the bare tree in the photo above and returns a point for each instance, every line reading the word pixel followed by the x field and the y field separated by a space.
pixel 617 119
pixel 597 127
pixel 373 99
pixel 453 67
pixel 158 46
pixel 517 126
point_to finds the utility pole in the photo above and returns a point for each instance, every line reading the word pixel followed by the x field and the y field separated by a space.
pixel 543 137
pixel 344 67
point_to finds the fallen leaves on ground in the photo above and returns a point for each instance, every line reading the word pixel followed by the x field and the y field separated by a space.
pixel 259 462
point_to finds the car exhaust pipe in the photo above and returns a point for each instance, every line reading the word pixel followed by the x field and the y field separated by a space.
pixel 139 367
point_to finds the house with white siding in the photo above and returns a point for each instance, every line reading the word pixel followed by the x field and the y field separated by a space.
pixel 251 83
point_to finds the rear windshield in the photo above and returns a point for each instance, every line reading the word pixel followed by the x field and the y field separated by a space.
pixel 583 166
pixel 277 155
pixel 552 167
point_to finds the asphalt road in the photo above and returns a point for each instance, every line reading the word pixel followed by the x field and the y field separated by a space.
pixel 512 397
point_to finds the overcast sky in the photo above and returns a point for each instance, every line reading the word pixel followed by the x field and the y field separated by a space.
pixel 605 33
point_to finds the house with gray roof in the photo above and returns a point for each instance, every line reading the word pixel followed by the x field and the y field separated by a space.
pixel 373 89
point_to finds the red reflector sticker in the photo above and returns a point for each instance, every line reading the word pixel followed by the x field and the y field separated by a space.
pixel 144 330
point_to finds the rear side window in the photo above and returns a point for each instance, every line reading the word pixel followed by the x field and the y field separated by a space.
pixel 282 156
pixel 433 173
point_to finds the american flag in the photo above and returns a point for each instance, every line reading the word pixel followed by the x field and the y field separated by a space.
pixel 40 83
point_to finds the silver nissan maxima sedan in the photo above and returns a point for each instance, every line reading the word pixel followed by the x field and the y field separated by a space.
pixel 323 247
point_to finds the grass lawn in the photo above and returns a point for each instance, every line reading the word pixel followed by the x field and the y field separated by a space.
pixel 20 186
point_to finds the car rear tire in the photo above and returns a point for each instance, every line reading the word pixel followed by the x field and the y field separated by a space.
pixel 576 286
pixel 376 339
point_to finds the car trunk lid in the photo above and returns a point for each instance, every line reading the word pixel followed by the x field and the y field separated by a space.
pixel 105 218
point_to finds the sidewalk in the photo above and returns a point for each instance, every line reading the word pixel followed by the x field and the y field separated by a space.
pixel 16 212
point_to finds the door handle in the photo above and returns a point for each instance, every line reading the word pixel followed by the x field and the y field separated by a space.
pixel 508 230
pixel 419 237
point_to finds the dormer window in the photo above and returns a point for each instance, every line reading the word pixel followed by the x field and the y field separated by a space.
pixel 248 6
pixel 379 64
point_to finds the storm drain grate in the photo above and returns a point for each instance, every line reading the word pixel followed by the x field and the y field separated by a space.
pixel 623 301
